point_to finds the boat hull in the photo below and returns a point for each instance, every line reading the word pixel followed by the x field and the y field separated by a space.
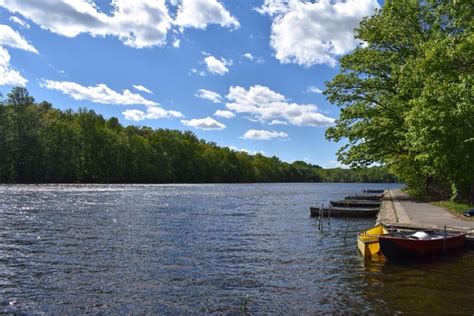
pixel 365 197
pixel 356 203
pixel 374 191
pixel 368 241
pixel 401 247
pixel 344 212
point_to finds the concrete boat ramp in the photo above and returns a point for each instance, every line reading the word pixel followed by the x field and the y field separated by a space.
pixel 399 210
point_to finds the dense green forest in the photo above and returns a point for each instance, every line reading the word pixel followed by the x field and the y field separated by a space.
pixel 406 96
pixel 39 143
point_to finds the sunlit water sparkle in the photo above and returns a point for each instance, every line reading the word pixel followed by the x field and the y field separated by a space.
pixel 187 249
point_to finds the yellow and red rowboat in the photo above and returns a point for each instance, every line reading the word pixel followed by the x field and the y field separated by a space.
pixel 368 241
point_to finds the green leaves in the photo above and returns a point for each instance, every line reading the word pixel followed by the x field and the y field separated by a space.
pixel 406 96
pixel 41 144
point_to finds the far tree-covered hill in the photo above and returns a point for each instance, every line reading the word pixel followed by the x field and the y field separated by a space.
pixel 39 143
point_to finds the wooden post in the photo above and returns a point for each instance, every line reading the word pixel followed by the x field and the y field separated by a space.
pixel 322 219
pixel 444 240
pixel 329 215
pixel 319 216
pixel 345 235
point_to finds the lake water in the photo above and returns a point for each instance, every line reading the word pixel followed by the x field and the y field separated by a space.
pixel 192 249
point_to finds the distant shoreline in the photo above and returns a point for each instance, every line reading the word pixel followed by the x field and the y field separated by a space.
pixel 189 183
pixel 42 144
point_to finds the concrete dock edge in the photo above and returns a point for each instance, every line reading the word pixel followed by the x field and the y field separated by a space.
pixel 398 210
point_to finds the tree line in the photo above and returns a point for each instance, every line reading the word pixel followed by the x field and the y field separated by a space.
pixel 41 144
pixel 406 96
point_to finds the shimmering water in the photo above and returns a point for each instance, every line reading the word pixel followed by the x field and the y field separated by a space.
pixel 191 249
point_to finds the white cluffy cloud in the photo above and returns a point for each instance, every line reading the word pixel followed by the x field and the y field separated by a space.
pixel 200 13
pixel 249 56
pixel 265 105
pixel 264 135
pixel 194 71
pixel 9 76
pixel 152 113
pixel 309 33
pixel 224 114
pixel 277 122
pixel 212 96
pixel 10 37
pixel 137 23
pixel 142 88
pixel 217 66
pixel 207 124
pixel 313 89
pixel 19 21
pixel 250 152
pixel 101 93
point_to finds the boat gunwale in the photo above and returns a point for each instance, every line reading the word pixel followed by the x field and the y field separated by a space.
pixel 448 236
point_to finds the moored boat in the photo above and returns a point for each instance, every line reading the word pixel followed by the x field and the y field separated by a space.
pixel 420 244
pixel 469 213
pixel 345 211
pixel 373 191
pixel 368 241
pixel 371 197
pixel 356 203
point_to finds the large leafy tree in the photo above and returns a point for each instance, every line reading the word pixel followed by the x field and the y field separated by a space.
pixel 406 95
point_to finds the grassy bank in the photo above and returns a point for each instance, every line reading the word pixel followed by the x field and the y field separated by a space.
pixel 454 207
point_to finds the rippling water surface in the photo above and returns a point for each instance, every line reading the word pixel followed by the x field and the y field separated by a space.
pixel 190 249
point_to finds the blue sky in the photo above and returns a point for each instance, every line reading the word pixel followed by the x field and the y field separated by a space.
pixel 244 74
